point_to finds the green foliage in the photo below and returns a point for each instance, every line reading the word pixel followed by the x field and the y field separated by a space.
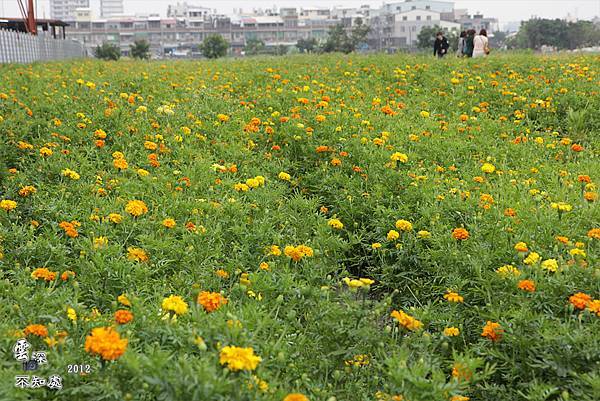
pixel 214 46
pixel 254 47
pixel 194 133
pixel 426 37
pixel 107 51
pixel 535 33
pixel 307 45
pixel 140 49
pixel 340 41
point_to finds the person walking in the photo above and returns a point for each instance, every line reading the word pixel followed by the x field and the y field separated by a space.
pixel 462 40
pixel 469 43
pixel 481 44
pixel 440 46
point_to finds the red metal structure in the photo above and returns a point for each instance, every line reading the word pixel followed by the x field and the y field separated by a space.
pixel 28 16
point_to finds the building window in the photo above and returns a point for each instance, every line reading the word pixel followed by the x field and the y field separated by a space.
pixel 405 18
pixel 413 28
pixel 402 29
pixel 427 7
pixel 429 18
pixel 418 18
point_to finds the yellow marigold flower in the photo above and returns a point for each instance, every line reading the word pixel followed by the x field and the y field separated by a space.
pixel 136 208
pixel 211 301
pixel 406 320
pixel 274 250
pixel 222 273
pixel 404 225
pixel 175 304
pixel 532 258
pixel 137 254
pixel 335 223
pixel 123 300
pixel 375 245
pixel 488 168
pixel 508 270
pixel 8 205
pixel 45 152
pixel 241 187
pixel 223 117
pixel 169 223
pixel 106 343
pixel 550 265
pixel 142 173
pixel 561 206
pixel 71 314
pixel 424 114
pixel 115 218
pixel 459 398
pixel 100 242
pixel 451 331
pixel 521 247
pixel 452 296
pixel 577 252
pixel 393 235
pixel 399 157
pixel 237 358
pixel 284 176
pixel 423 234
pixel 70 173
pixel 296 253
pixel 594 307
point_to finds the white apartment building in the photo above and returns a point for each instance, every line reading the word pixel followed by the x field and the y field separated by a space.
pixel 65 9
pixel 109 8
pixel 408 24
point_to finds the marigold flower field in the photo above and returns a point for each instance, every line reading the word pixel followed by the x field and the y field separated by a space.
pixel 303 228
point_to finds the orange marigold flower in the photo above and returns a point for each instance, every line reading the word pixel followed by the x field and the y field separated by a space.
pixel 526 285
pixel 43 273
pixel 123 316
pixel 509 212
pixel 295 397
pixel 492 330
pixel 594 233
pixel 406 320
pixel 66 275
pixel 137 254
pixel 211 301
pixel 36 329
pixel 580 300
pixel 106 343
pixel 576 147
pixel 460 234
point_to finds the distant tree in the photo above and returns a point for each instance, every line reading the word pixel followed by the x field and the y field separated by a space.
pixel 140 49
pixel 359 33
pixel 307 45
pixel 107 51
pixel 281 50
pixel 535 33
pixel 254 46
pixel 214 46
pixel 426 37
pixel 339 40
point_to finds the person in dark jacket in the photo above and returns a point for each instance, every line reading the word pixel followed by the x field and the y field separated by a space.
pixel 440 47
pixel 469 44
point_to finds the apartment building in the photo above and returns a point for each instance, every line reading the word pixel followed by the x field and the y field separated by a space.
pixel 110 8
pixel 65 9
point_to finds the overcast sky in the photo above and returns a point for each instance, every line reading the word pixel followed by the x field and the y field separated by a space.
pixel 504 10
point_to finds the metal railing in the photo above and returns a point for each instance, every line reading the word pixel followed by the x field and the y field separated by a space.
pixel 20 47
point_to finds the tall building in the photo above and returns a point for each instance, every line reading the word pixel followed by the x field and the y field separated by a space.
pixel 65 9
pixel 109 8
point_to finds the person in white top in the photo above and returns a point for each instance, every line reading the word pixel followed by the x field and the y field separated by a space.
pixel 481 44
